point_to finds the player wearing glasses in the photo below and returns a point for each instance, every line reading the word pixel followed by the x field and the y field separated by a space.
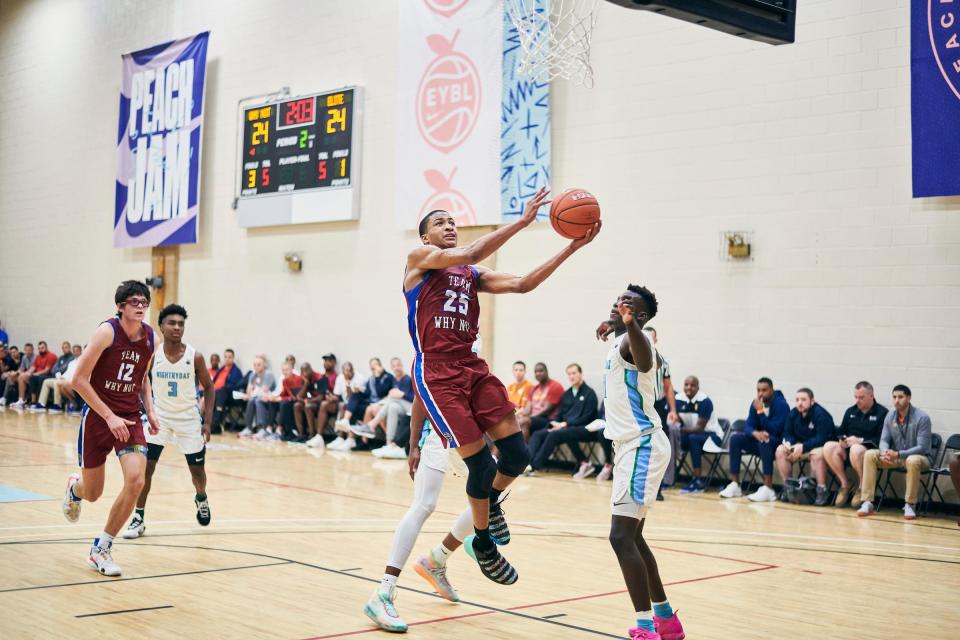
pixel 111 377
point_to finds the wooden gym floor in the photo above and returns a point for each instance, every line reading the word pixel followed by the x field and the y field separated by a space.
pixel 299 539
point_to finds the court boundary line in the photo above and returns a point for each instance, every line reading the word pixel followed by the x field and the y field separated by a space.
pixel 110 613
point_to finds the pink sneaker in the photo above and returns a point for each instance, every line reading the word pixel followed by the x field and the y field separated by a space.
pixel 669 628
pixel 642 634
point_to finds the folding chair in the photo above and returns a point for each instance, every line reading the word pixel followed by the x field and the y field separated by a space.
pixel 936 443
pixel 941 469
pixel 717 458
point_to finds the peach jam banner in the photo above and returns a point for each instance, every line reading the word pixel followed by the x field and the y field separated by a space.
pixel 449 90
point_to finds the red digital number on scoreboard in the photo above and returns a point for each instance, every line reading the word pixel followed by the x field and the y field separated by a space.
pixel 296 113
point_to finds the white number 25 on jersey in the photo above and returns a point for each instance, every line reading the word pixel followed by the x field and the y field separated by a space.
pixel 463 304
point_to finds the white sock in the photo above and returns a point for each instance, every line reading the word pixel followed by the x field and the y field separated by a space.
pixel 440 554
pixel 105 541
pixel 388 584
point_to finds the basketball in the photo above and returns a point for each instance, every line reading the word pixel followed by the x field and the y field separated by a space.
pixel 573 212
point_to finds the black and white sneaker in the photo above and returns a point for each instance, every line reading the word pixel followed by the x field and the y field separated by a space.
pixel 203 511
pixel 135 529
pixel 499 530
pixel 494 566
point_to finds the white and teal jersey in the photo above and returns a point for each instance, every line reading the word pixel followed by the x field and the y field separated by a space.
pixel 175 384
pixel 628 396
pixel 432 451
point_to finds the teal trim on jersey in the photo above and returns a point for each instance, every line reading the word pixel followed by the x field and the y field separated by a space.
pixel 425 433
pixel 636 400
pixel 641 467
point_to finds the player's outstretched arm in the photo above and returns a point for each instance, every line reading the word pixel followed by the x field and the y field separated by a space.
pixel 209 394
pixel 498 282
pixel 636 347
pixel 428 257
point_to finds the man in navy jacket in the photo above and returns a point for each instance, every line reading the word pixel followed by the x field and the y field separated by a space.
pixel 808 428
pixel 760 437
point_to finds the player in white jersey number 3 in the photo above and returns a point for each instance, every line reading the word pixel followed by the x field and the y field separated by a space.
pixel 641 455
pixel 178 369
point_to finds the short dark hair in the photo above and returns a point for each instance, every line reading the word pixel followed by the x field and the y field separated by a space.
pixel 765 380
pixel 904 388
pixel 171 310
pixel 129 288
pixel 863 384
pixel 28 344
pixel 225 351
pixel 426 220
pixel 806 390
pixel 649 300
pixel 520 362
pixel 577 366
pixel 42 342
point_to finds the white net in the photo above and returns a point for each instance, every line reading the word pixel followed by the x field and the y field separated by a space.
pixel 554 38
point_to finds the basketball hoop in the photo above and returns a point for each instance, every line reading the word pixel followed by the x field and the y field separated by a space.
pixel 554 38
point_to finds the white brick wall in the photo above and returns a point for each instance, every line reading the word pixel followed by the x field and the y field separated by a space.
pixel 688 133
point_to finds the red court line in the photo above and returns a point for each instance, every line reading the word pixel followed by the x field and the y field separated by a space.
pixel 715 557
pixel 52 444
pixel 543 604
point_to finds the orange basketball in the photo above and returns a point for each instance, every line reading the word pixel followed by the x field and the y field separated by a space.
pixel 573 212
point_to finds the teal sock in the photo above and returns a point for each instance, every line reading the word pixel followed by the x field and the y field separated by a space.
pixel 139 512
pixel 645 621
pixel 662 609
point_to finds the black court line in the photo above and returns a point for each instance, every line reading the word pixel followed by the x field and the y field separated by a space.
pixel 279 560
pixel 556 615
pixel 352 569
pixel 162 575
pixel 515 534
pixel 110 613
pixel 824 511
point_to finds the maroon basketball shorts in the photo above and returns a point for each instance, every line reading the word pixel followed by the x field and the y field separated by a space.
pixel 462 398
pixel 96 441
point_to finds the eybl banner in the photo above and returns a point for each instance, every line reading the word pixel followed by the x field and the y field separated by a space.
pixel 935 96
pixel 158 144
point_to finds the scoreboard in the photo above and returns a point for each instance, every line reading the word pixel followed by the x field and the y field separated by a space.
pixel 298 159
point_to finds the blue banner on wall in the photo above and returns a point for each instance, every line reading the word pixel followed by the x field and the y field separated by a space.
pixel 935 96
pixel 158 144
pixel 524 130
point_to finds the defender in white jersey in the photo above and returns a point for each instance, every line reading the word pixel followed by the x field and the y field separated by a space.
pixel 641 455
pixel 178 369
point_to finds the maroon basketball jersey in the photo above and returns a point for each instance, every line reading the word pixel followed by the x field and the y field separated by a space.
pixel 118 374
pixel 443 311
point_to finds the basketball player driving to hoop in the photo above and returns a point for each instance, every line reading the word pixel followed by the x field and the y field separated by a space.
pixel 463 399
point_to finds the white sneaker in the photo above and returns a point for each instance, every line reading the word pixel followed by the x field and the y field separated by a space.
pixel 379 452
pixel 381 610
pixel 586 470
pixel 135 529
pixel 342 425
pixel 336 445
pixel 866 509
pixel 3 402
pixel 17 406
pixel 605 473
pixel 908 512
pixel 732 490
pixel 393 452
pixel 246 433
pixel 101 561
pixel 71 507
pixel 763 494
pixel 349 444
pixel 316 442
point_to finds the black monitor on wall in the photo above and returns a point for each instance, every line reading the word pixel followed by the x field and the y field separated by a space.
pixel 770 21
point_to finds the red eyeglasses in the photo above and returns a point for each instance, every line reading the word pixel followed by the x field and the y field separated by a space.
pixel 140 303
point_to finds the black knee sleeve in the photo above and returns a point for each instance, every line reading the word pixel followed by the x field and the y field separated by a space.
pixel 483 469
pixel 196 459
pixel 514 455
pixel 154 451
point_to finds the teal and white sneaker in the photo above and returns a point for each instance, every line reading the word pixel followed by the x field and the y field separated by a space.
pixel 381 610
pixel 436 574
pixel 135 529
pixel 71 507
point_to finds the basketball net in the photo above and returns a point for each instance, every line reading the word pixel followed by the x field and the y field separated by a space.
pixel 554 38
